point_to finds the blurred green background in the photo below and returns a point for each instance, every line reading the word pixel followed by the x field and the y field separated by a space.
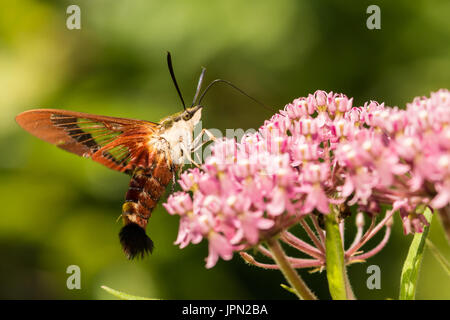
pixel 59 210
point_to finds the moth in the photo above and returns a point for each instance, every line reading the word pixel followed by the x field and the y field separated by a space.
pixel 151 153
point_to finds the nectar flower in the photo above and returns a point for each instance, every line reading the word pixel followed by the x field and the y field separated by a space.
pixel 319 151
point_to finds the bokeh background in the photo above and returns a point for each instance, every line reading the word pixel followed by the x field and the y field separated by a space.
pixel 58 210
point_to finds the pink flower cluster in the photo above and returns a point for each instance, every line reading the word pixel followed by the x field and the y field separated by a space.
pixel 317 152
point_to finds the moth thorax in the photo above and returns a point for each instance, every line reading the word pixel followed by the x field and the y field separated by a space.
pixel 180 139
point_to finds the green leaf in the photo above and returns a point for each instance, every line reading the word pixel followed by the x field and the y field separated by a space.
pixel 123 295
pixel 410 272
pixel 336 273
pixel 287 288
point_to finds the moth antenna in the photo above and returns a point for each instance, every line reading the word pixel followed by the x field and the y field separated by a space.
pixel 236 88
pixel 172 74
pixel 199 86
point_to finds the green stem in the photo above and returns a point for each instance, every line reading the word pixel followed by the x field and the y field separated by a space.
pixel 348 287
pixel 338 281
pixel 301 289
pixel 411 266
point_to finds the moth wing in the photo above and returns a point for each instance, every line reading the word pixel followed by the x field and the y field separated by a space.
pixel 113 142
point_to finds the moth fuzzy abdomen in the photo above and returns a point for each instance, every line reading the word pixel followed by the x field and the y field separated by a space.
pixel 146 187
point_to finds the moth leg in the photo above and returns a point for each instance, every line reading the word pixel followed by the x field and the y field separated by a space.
pixel 187 154
pixel 209 134
pixel 198 138
pixel 200 146
pixel 174 180
pixel 211 137
pixel 172 167
pixel 197 144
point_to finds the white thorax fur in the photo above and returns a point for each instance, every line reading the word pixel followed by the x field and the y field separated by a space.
pixel 180 138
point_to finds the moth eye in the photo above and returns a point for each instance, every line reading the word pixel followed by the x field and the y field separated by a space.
pixel 186 116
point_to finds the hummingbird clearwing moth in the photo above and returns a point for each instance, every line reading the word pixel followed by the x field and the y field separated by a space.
pixel 151 153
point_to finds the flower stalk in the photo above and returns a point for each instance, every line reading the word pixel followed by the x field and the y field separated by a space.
pixel 301 289
pixel 338 281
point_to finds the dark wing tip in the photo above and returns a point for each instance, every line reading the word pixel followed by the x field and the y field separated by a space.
pixel 135 242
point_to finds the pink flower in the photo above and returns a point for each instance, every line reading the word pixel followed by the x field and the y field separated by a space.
pixel 318 151
pixel 180 203
pixel 189 179
pixel 443 196
pixel 218 247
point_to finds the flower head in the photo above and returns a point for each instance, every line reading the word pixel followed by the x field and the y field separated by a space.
pixel 319 151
